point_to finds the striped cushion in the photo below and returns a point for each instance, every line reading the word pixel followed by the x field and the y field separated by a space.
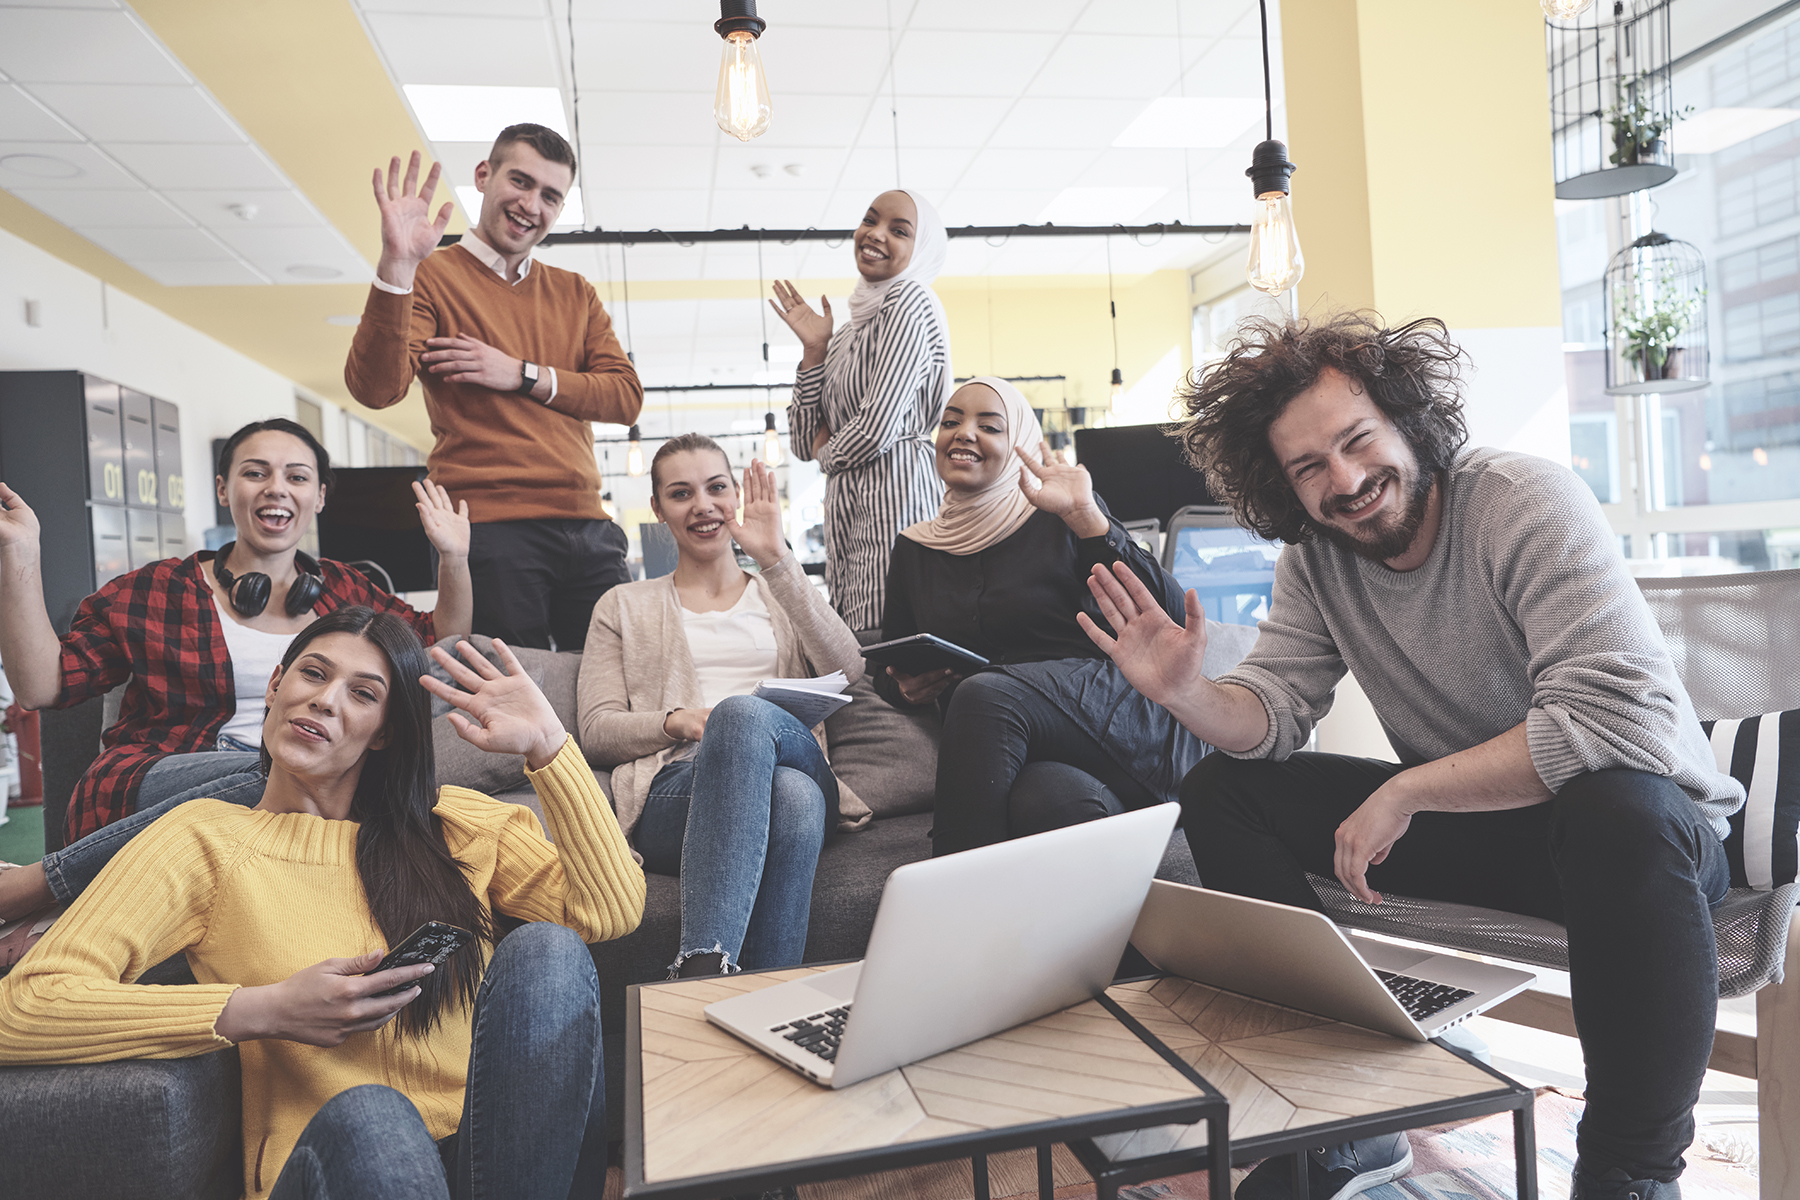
pixel 1763 754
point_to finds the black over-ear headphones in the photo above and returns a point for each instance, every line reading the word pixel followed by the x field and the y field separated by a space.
pixel 250 593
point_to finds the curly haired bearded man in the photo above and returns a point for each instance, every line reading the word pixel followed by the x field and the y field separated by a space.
pixel 1551 762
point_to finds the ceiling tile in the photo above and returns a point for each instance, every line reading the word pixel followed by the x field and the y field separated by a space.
pixel 174 166
pixel 968 206
pixel 225 273
pixel 468 8
pixel 22 119
pixel 275 250
pixel 97 209
pixel 647 119
pixel 644 209
pixel 769 210
pixel 1000 169
pixel 139 112
pixel 1040 15
pixel 931 63
pixel 155 245
pixel 274 208
pixel 1057 123
pixel 41 45
pixel 765 168
pixel 940 121
pixel 630 56
pixel 1108 65
pixel 1158 20
pixel 659 166
pixel 933 171
pixel 804 62
pixel 502 51
pixel 816 122
pixel 65 165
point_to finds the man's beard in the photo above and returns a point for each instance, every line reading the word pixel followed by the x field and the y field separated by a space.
pixel 1392 536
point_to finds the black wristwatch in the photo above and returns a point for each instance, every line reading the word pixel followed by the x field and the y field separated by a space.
pixel 528 378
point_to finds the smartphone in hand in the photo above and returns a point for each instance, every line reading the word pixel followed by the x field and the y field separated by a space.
pixel 433 942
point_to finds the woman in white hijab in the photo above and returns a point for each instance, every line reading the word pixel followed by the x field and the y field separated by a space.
pixel 1051 734
pixel 867 396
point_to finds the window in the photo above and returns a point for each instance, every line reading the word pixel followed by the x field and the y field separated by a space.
pixel 1706 480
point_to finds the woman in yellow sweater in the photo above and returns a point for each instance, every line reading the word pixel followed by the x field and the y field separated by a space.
pixel 481 1079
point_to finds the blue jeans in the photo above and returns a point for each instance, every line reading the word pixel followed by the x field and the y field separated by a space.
pixel 742 822
pixel 230 775
pixel 534 1109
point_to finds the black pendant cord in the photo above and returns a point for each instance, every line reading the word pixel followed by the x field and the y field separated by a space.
pixel 762 310
pixel 1268 95
pixel 625 278
pixel 575 112
pixel 1112 305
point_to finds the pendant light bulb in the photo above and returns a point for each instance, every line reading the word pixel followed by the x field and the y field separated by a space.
pixel 1275 261
pixel 1118 384
pixel 1563 10
pixel 634 454
pixel 741 105
pixel 771 441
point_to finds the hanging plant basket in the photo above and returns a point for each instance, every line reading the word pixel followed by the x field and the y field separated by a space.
pixel 1656 318
pixel 1611 99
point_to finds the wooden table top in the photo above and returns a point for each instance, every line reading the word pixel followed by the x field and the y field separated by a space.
pixel 712 1104
pixel 1283 1070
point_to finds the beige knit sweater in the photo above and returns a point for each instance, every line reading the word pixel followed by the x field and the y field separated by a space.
pixel 636 667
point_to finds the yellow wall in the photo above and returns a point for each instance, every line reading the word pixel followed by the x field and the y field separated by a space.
pixel 1422 135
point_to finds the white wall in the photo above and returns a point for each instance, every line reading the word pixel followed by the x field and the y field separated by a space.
pixel 88 326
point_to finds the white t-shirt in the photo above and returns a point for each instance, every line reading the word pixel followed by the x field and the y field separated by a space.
pixel 734 650
pixel 254 657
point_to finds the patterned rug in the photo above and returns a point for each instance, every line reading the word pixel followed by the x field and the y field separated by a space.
pixel 1474 1161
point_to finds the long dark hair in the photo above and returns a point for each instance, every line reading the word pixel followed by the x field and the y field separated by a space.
pixel 408 874
pixel 1411 373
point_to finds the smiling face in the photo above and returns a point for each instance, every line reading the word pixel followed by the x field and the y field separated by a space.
pixel 694 494
pixel 273 491
pixel 1352 470
pixel 974 443
pixel 884 240
pixel 521 197
pixel 328 708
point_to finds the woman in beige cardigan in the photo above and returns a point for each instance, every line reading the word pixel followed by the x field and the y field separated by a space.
pixel 713 784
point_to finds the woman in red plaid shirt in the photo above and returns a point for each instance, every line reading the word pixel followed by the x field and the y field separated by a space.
pixel 194 640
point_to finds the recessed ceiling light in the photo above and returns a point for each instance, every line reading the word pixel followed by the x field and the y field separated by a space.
pixel 1191 122
pixel 313 271
pixel 1717 128
pixel 571 217
pixel 1100 205
pixel 40 166
pixel 347 319
pixel 454 112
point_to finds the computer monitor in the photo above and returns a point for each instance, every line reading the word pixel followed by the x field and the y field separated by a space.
pixel 1231 570
pixel 1139 471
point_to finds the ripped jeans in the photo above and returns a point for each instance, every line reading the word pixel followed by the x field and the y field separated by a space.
pixel 741 823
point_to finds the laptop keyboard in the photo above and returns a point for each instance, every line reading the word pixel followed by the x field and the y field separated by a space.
pixel 1422 998
pixel 819 1033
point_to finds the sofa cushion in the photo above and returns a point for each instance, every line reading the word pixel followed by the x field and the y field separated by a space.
pixel 1763 754
pixel 887 757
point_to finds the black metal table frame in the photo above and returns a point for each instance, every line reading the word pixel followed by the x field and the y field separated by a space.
pixel 1209 1106
pixel 1110 1176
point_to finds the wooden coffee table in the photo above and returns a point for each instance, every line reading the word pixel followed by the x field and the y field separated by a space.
pixel 707 1115
pixel 1296 1081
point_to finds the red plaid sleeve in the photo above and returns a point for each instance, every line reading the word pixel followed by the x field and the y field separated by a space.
pixel 345 585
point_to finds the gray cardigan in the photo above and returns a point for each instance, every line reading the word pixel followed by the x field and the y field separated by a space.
pixel 636 667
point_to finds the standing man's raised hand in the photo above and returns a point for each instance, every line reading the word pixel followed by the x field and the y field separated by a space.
pixel 408 231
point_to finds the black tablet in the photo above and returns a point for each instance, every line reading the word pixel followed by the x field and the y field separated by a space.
pixel 922 652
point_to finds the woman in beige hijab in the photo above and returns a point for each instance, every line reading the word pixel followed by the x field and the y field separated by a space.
pixel 1050 734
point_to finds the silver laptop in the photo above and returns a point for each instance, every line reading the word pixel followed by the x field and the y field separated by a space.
pixel 965 946
pixel 1298 958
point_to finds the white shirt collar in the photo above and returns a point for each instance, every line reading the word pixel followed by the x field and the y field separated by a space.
pixel 490 258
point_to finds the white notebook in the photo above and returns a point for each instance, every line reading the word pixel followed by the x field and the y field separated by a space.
pixel 809 700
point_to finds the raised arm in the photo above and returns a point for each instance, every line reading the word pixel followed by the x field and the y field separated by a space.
pixel 588 880
pixel 385 350
pixel 447 529
pixel 29 647
pixel 806 420
pixel 1054 485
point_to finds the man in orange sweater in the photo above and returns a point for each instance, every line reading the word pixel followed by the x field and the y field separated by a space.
pixel 516 359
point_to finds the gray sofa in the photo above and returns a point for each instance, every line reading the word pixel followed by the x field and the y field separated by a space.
pixel 164 1128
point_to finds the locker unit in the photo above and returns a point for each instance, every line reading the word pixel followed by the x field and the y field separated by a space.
pixel 100 465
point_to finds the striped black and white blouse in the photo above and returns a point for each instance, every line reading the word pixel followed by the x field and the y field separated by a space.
pixel 881 391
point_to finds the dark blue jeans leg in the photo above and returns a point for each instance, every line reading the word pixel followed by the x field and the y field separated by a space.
pixel 367 1143
pixel 1640 871
pixel 229 776
pixel 534 1114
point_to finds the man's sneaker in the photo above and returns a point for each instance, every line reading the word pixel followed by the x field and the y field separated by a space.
pixel 1614 1186
pixel 1333 1172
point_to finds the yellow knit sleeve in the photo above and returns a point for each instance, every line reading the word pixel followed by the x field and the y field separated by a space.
pixel 70 1000
pixel 588 880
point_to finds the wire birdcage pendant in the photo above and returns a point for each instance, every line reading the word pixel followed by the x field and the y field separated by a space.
pixel 1612 103
pixel 1656 318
